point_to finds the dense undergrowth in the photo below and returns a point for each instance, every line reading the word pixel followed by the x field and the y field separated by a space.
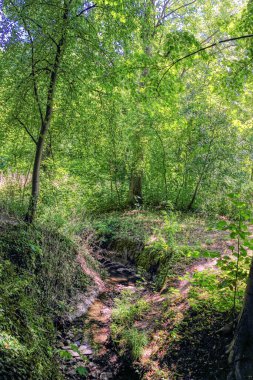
pixel 159 243
pixel 39 275
pixel 168 247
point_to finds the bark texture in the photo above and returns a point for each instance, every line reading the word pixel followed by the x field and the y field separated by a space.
pixel 135 190
pixel 241 349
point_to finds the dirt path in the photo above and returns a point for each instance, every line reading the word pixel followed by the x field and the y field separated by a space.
pixel 86 339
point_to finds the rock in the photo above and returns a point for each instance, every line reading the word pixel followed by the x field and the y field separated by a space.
pixel 72 372
pixel 74 354
pixel 79 335
pixel 95 375
pixel 72 362
pixel 85 350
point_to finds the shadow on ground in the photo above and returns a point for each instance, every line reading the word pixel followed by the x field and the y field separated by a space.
pixel 199 351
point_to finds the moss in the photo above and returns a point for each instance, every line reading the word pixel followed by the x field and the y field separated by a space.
pixel 154 255
pixel 38 275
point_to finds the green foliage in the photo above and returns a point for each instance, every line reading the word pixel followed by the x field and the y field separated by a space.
pixel 178 43
pixel 225 289
pixel 160 249
pixel 128 309
pixel 206 290
pixel 107 127
pixel 135 341
pixel 109 140
pixel 27 331
pixel 82 371
pixel 156 253
pixel 33 292
pixel 236 266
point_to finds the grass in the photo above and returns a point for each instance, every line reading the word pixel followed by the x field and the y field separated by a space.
pixel 128 309
pixel 160 243
pixel 38 276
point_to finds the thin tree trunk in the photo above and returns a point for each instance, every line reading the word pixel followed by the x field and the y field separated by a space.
pixel 190 205
pixel 135 184
pixel 241 349
pixel 206 164
pixel 136 179
pixel 163 160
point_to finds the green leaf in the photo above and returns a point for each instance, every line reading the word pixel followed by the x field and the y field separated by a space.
pixel 74 347
pixel 82 371
pixel 233 195
pixel 65 355
pixel 221 225
pixel 243 251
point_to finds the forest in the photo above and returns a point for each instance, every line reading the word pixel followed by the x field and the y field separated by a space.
pixel 126 189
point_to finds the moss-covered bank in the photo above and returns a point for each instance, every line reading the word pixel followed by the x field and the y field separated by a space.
pixel 38 276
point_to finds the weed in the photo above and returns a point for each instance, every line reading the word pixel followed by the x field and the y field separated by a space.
pixel 128 309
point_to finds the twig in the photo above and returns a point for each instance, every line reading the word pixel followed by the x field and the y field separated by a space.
pixel 27 130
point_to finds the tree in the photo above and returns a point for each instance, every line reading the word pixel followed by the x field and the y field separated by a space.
pixel 44 40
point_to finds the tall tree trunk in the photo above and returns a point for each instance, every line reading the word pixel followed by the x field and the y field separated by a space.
pixel 201 176
pixel 135 197
pixel 136 179
pixel 241 349
pixel 194 196
pixel 35 181
pixel 46 121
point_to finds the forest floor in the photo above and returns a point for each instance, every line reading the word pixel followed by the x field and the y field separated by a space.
pixel 180 320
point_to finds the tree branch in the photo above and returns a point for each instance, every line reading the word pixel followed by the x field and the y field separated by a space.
pixel 173 11
pixel 202 49
pixel 86 10
pixel 26 129
pixel 177 9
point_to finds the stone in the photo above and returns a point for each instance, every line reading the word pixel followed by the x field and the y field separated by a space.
pixel 85 350
pixel 72 372
pixel 74 354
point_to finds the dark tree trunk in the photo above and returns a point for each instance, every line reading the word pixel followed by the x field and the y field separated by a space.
pixel 241 349
pixel 194 196
pixel 135 185
pixel 202 174
pixel 135 190
pixel 35 181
